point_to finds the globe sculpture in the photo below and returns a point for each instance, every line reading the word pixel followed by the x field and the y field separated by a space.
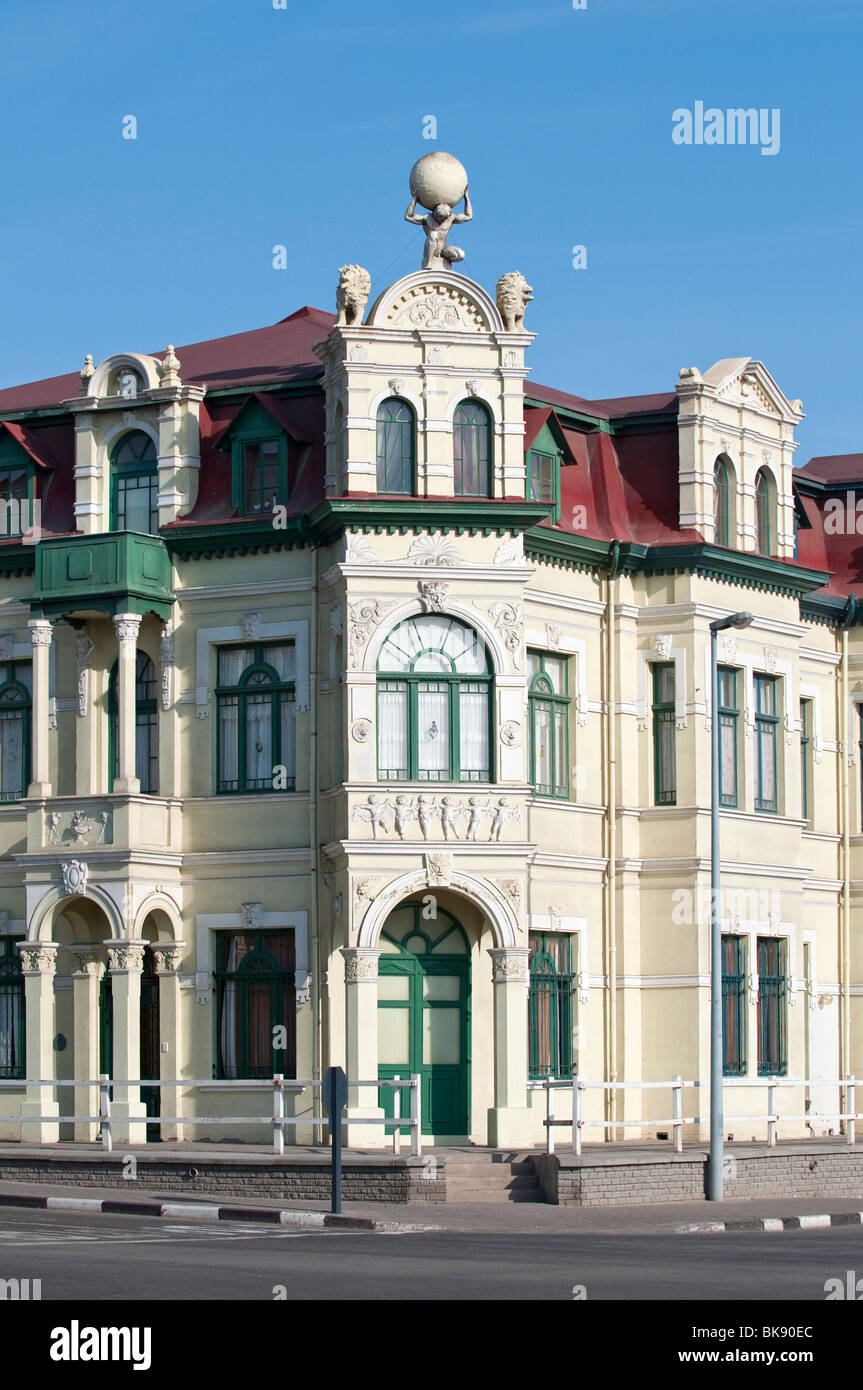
pixel 438 182
pixel 438 178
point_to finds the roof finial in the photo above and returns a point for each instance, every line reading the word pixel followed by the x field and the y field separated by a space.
pixel 170 368
pixel 87 371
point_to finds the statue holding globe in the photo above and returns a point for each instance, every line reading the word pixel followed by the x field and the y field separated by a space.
pixel 438 182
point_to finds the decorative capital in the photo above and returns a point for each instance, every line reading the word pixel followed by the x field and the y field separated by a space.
pixel 127 626
pixel 87 961
pixel 509 965
pixel 361 965
pixel 41 632
pixel 38 957
pixel 167 956
pixel 125 957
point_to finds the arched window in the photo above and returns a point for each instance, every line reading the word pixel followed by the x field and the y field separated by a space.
pixel 472 450
pixel 146 725
pixel 434 703
pixel 395 447
pixel 256 700
pixel 764 536
pixel 135 485
pixel 548 708
pixel 15 701
pixel 721 503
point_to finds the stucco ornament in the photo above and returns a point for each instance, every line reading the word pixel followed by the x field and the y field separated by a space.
pixel 364 891
pixel 511 552
pixel 357 550
pixel 552 635
pixel 365 615
pixel 434 596
pixel 361 730
pixel 169 368
pixel 511 888
pixel 167 956
pixel 376 813
pixel 509 965
pixel 438 182
pixel 359 353
pixel 438 869
pixel 252 915
pixel 506 616
pixel 251 625
pixel 361 966
pixel 660 646
pixel 87 371
pixel 510 734
pixel 352 295
pixel 83 650
pixel 37 958
pixel 74 876
pixel 433 550
pixel 513 296
pixel 126 956
pixel 7 642
pixel 166 655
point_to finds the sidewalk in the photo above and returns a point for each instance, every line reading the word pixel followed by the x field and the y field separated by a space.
pixel 481 1218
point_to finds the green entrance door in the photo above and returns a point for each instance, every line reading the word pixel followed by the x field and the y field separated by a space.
pixel 423 1017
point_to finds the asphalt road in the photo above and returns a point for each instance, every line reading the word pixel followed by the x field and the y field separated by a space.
pixel 96 1257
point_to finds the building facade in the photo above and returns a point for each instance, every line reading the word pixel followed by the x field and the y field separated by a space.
pixel 356 710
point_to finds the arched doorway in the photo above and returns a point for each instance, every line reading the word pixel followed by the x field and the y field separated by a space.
pixel 150 1043
pixel 424 1013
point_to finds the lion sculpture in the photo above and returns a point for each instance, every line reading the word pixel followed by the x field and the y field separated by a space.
pixel 513 295
pixel 355 284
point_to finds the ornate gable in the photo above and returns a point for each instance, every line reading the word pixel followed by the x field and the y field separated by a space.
pixel 443 300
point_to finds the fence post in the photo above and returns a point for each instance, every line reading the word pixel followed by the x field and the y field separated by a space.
pixel 105 1113
pixel 397 1114
pixel 416 1118
pixel 549 1115
pixel 850 1110
pixel 771 1111
pixel 576 1116
pixel 278 1113
pixel 677 1112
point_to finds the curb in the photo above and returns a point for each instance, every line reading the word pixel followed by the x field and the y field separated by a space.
pixel 775 1223
pixel 205 1211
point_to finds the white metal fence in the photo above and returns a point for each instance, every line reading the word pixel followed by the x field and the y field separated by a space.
pixel 278 1120
pixel 576 1085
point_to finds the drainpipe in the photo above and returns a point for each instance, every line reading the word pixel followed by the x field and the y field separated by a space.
pixel 611 824
pixel 848 618
pixel 314 937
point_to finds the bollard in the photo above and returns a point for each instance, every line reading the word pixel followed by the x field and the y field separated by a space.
pixel 278 1113
pixel 397 1114
pixel 576 1116
pixel 677 1112
pixel 105 1113
pixel 771 1113
pixel 549 1115
pixel 416 1117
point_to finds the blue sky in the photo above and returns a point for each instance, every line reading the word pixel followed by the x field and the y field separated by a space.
pixel 298 126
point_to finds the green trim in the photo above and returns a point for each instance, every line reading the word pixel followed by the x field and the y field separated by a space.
pixel 728 712
pixel 664 720
pixel 238 695
pixel 806 760
pixel 733 1005
pixel 550 1006
pixel 543 466
pixel 109 572
pixel 735 567
pixel 482 424
pixel 405 433
pixel 148 706
pixel 16 700
pixel 143 468
pixel 258 967
pixel 12 1007
pixel 766 721
pixel 541 693
pixel 772 1006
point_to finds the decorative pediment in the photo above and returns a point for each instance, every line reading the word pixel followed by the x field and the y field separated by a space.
pixel 436 301
pixel 745 382
pixel 125 374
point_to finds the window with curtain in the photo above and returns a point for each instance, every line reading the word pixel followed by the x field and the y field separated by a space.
pixel 664 735
pixel 806 759
pixel 772 994
pixel 135 485
pixel 766 719
pixel 434 703
pixel 721 528
pixel 256 1004
pixel 543 480
pixel 11 1010
pixel 146 724
pixel 728 720
pixel 472 450
pixel 262 482
pixel 15 711
pixel 550 1005
pixel 763 514
pixel 256 699
pixel 733 1005
pixel 548 709
pixel 396 435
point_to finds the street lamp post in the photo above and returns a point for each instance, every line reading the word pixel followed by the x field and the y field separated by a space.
pixel 715 1178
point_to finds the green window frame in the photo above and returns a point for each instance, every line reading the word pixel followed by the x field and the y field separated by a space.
pixel 733 1005
pixel 16 678
pixel 550 1005
pixel 664 735
pixel 720 503
pixel 543 480
pixel 766 720
pixel 135 484
pixel 260 472
pixel 396 448
pixel 255 986
pixel 472 450
pixel 146 724
pixel 772 1006
pixel 256 718
pixel 806 759
pixel 12 1011
pixel 548 720
pixel 763 514
pixel 729 713
pixel 434 703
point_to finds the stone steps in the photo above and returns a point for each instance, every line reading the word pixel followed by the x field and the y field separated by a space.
pixel 486 1178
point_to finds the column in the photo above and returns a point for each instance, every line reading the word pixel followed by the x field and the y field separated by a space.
pixel 126 626
pixel 509 1120
pixel 125 963
pixel 87 971
pixel 40 637
pixel 168 956
pixel 361 1045
pixel 38 963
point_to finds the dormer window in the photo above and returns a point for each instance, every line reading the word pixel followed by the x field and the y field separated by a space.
pixel 471 450
pixel 261 476
pixel 135 485
pixel 259 461
pixel 543 480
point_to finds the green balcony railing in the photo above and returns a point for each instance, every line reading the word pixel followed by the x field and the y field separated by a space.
pixel 113 572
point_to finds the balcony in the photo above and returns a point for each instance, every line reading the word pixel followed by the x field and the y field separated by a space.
pixel 113 572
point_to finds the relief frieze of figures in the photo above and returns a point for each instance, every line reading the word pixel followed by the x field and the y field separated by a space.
pixel 429 812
